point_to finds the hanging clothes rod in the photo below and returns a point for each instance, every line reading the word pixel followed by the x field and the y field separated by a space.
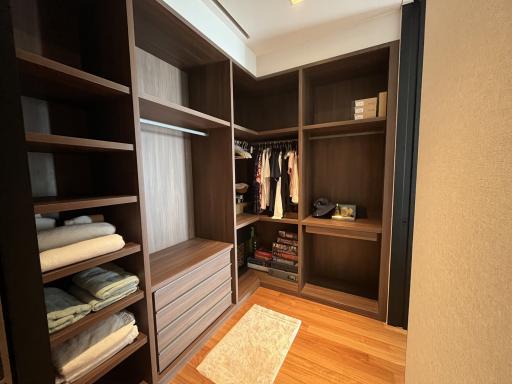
pixel 173 127
pixel 346 135
pixel 274 142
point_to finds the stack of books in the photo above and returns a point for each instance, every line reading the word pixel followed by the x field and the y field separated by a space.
pixel 261 260
pixel 285 252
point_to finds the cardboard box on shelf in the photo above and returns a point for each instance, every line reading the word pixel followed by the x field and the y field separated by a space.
pixel 372 101
pixel 383 100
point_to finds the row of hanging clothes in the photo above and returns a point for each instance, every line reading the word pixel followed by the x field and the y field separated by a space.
pixel 276 177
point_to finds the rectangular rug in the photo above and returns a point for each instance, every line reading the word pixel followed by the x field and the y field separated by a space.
pixel 253 351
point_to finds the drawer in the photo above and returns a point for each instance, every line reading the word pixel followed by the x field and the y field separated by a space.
pixel 180 325
pixel 183 303
pixel 178 287
pixel 173 350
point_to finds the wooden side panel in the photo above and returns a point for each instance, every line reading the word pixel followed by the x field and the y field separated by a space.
pixel 24 309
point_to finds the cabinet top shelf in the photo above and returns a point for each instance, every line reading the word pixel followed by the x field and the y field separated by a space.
pixel 173 262
pixel 45 78
pixel 377 124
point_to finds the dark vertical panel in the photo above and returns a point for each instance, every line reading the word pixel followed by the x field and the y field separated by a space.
pixel 411 58
pixel 20 272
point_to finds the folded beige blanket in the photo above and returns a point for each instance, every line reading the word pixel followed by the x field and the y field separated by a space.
pixel 61 236
pixel 83 250
pixel 106 281
pixel 89 349
pixel 95 303
pixel 62 309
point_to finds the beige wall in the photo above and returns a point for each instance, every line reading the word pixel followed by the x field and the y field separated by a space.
pixel 460 327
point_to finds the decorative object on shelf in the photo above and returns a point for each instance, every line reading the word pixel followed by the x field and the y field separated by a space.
pixel 241 188
pixel 323 207
pixel 242 150
pixel 345 212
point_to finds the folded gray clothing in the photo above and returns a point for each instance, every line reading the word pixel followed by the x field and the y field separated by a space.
pixel 61 236
pixel 75 346
pixel 62 309
pixel 95 303
pixel 106 281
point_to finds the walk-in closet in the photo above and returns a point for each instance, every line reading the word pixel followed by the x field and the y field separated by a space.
pixel 147 209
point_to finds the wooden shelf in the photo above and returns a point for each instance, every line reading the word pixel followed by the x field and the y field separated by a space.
pixel 245 219
pixel 114 361
pixel 377 124
pixel 250 134
pixel 42 77
pixel 53 204
pixel 163 111
pixel 43 142
pixel 284 220
pixel 248 282
pixel 271 282
pixel 341 299
pixel 93 318
pixel 128 249
pixel 360 225
pixel 174 262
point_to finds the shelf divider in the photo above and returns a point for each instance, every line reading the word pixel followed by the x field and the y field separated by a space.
pixel 43 142
pixel 54 204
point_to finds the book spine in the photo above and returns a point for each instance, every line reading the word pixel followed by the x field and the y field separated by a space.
pixel 280 240
pixel 277 259
pixel 288 235
pixel 285 255
pixel 257 267
pixel 284 247
pixel 284 267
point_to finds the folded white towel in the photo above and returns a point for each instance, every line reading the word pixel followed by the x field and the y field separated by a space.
pixel 106 281
pixel 85 220
pixel 95 303
pixel 44 223
pixel 83 250
pixel 61 236
pixel 90 348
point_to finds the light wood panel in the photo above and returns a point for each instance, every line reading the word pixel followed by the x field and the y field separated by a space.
pixel 348 348
pixel 168 188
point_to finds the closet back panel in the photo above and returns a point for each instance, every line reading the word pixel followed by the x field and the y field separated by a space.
pixel 167 169
pixel 347 170
pixel 349 265
pixel 73 33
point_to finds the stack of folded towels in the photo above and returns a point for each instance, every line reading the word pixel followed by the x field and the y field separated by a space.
pixel 91 290
pixel 84 352
pixel 80 239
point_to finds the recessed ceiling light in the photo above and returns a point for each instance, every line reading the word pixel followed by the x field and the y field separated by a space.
pixel 296 1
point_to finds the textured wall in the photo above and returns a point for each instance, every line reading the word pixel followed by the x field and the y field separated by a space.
pixel 460 320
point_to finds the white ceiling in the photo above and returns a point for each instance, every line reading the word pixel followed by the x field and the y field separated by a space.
pixel 272 23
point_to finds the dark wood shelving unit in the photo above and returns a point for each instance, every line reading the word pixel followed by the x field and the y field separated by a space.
pixel 250 134
pixel 128 249
pixel 43 77
pixel 361 225
pixel 93 318
pixel 156 109
pixel 276 283
pixel 44 142
pixel 54 204
pixel 173 262
pixel 114 361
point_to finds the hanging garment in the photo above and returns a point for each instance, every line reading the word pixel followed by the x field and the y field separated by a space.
pixel 294 177
pixel 285 182
pixel 275 175
pixel 278 205
pixel 257 182
pixel 265 180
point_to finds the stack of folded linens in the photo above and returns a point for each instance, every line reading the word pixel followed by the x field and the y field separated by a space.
pixel 84 352
pixel 62 246
pixel 103 285
pixel 62 309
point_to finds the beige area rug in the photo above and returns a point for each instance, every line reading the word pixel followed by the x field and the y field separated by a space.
pixel 253 351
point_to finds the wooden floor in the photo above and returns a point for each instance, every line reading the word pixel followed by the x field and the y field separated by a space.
pixel 332 346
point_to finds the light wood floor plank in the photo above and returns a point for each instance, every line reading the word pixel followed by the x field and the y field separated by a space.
pixel 332 346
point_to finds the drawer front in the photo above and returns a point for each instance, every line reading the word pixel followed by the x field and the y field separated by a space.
pixel 169 354
pixel 178 287
pixel 170 333
pixel 183 303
